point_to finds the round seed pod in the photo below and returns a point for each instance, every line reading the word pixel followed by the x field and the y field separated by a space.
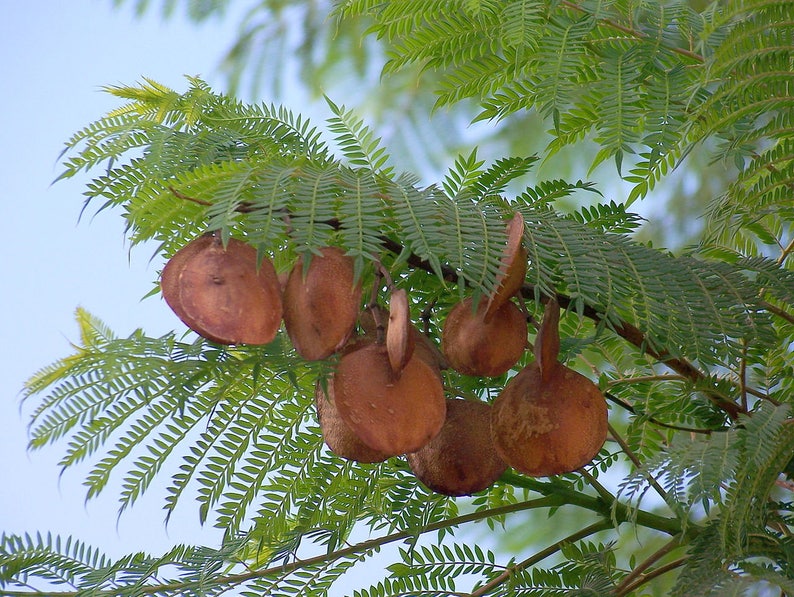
pixel 223 294
pixel 339 438
pixel 513 270
pixel 389 414
pixel 321 304
pixel 476 347
pixel 550 427
pixel 461 459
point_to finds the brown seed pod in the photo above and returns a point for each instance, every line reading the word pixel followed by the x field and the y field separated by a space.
pixel 476 347
pixel 391 415
pixel 424 347
pixel 513 269
pixel 321 305
pixel 550 427
pixel 222 293
pixel 169 279
pixel 461 459
pixel 399 339
pixel 339 438
pixel 547 340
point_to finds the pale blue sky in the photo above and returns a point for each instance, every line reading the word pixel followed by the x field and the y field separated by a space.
pixel 54 58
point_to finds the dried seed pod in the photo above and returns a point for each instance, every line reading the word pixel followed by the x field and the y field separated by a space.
pixel 389 414
pixel 169 278
pixel 513 269
pixel 461 459
pixel 476 347
pixel 339 438
pixel 424 347
pixel 547 341
pixel 321 304
pixel 550 427
pixel 399 339
pixel 222 293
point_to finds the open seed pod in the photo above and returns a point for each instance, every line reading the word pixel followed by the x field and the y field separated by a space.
pixel 513 269
pixel 547 340
pixel 169 279
pixel 461 459
pixel 423 346
pixel 223 294
pixel 321 305
pixel 399 339
pixel 339 438
pixel 476 347
pixel 389 414
pixel 548 419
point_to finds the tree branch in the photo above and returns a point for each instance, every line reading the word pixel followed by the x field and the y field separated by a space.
pixel 285 569
pixel 636 461
pixel 615 400
pixel 614 511
pixel 627 331
pixel 633 32
pixel 653 574
pixel 628 580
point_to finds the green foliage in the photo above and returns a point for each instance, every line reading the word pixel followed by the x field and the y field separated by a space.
pixel 693 351
pixel 651 81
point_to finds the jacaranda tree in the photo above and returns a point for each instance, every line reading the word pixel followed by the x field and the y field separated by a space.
pixel 690 494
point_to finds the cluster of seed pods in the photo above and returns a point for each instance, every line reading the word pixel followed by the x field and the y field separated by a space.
pixel 386 396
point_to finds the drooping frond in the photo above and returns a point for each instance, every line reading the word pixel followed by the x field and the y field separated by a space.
pixel 159 393
pixel 278 186
pixel 52 559
pixel 735 469
pixel 75 568
pixel 356 140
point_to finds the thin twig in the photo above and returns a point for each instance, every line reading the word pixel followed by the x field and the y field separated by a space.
pixel 614 399
pixel 786 252
pixel 629 579
pixel 541 555
pixel 633 32
pixel 243 207
pixel 644 378
pixel 602 491
pixel 777 311
pixel 633 457
pixel 743 376
pixel 653 574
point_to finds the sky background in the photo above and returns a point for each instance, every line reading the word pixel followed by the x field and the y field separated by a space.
pixel 54 57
